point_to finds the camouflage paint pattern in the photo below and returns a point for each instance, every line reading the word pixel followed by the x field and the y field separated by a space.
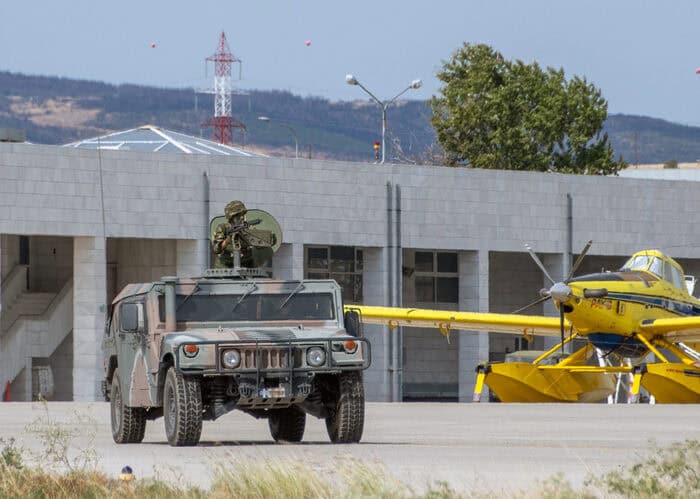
pixel 142 354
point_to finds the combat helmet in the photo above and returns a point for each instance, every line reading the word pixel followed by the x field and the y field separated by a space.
pixel 235 208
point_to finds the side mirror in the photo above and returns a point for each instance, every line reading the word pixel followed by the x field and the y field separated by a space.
pixel 129 317
pixel 353 324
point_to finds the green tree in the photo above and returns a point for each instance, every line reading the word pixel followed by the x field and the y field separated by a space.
pixel 510 115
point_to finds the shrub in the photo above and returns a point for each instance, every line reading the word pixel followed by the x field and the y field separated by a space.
pixel 671 163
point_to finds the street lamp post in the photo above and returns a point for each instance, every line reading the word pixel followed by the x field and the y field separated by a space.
pixel 294 133
pixel 351 80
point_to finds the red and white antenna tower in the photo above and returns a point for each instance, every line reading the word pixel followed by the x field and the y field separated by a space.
pixel 223 121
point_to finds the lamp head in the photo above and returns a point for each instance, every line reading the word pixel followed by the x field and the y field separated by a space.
pixel 416 84
pixel 263 118
pixel 351 80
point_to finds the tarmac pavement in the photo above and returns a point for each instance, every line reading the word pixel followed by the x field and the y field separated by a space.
pixel 482 447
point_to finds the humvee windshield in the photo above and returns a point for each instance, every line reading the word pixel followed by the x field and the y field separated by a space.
pixel 252 307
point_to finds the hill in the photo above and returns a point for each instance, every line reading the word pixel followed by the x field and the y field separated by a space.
pixel 60 110
pixel 644 140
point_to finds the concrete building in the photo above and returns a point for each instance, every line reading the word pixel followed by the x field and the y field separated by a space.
pixel 76 225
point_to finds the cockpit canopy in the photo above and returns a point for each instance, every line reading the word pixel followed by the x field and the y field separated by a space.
pixel 660 265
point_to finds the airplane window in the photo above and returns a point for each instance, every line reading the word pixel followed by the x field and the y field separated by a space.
pixel 667 272
pixel 677 279
pixel 657 267
pixel 639 262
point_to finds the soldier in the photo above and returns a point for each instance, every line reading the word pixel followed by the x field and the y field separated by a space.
pixel 223 241
pixel 236 237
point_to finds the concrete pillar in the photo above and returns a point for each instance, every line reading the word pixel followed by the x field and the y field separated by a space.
pixel 9 257
pixel 288 262
pixel 89 310
pixel 192 257
pixel 473 296
pixel 554 263
pixel 374 291
pixel 2 271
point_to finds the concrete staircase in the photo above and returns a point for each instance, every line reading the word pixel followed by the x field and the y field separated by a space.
pixel 25 305
pixel 32 325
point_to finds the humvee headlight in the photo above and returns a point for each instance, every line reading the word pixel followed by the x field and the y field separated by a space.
pixel 231 359
pixel 190 350
pixel 315 356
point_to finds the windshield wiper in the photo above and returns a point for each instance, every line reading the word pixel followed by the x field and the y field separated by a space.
pixel 296 290
pixel 253 287
pixel 197 288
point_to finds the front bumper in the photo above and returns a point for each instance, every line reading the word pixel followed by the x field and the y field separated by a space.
pixel 283 357
pixel 273 372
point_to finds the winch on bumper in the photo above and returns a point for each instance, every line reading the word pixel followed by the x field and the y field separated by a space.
pixel 265 373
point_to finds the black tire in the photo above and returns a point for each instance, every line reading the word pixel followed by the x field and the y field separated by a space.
pixel 128 423
pixel 347 416
pixel 182 409
pixel 287 425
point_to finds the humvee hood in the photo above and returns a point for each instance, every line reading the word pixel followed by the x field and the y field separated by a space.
pixel 252 334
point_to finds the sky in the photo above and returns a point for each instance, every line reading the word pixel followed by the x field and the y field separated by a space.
pixel 642 54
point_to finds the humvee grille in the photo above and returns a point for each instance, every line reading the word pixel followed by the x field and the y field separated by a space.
pixel 270 358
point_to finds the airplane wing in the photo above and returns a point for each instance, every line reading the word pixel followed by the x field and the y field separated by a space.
pixel 674 329
pixel 446 320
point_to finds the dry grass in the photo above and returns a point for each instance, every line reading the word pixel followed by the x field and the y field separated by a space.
pixel 240 479
pixel 61 112
pixel 669 473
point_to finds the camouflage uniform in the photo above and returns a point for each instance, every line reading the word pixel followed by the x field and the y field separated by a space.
pixel 223 240
pixel 254 246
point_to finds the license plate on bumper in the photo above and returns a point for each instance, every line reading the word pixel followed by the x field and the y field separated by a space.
pixel 273 393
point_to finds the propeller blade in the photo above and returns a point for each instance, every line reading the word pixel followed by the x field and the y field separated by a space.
pixel 561 326
pixel 536 302
pixel 539 263
pixel 581 255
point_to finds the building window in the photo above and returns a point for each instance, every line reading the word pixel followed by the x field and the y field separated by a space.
pixel 340 263
pixel 520 344
pixel 436 277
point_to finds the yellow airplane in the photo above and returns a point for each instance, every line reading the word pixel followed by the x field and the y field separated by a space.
pixel 644 308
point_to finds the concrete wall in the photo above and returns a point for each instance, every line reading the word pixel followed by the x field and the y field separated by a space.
pixel 21 386
pixel 49 190
pixel 9 253
pixel 55 190
pixel 141 260
pixel 61 362
pixel 50 263
pixel 159 197
pixel 514 282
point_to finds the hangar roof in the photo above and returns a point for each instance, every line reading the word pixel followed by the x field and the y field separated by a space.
pixel 150 138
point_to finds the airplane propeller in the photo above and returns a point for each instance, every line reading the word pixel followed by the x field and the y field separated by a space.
pixel 560 291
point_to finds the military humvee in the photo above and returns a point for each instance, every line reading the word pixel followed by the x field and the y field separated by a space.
pixel 193 349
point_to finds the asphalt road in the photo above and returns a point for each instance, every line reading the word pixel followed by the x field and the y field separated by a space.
pixel 486 447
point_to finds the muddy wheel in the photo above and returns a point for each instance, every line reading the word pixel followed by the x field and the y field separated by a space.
pixel 347 415
pixel 182 409
pixel 287 425
pixel 128 423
